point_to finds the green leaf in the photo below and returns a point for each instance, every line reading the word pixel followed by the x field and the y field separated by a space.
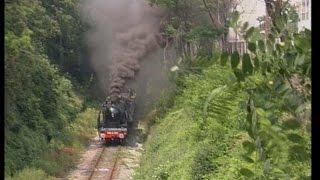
pixel 238 73
pixel 261 112
pixel 299 153
pixel 245 26
pixel 252 47
pixel 303 43
pixel 247 67
pixel 261 45
pixel 235 59
pixel 246 172
pixel 279 23
pixel 283 88
pixel 289 59
pixel 300 59
pixel 248 146
pixel 291 124
pixel 278 48
pixel 249 33
pixel 265 123
pixel 295 138
pixel 211 95
pixel 248 159
pixel 234 19
pixel 224 58
pixel 256 62
pixel 264 66
pixel 265 135
pixel 301 108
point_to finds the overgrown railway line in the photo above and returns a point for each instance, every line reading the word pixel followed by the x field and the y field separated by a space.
pixel 98 162
pixel 105 166
pixel 114 167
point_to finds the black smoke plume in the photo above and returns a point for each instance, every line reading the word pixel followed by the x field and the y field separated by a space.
pixel 123 33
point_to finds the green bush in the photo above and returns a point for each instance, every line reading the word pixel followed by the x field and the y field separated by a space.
pixel 31 173
pixel 64 151
pixel 40 100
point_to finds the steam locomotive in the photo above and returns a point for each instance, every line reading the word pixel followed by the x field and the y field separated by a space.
pixel 115 116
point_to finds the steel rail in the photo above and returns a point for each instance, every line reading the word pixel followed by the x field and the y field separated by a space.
pixel 96 164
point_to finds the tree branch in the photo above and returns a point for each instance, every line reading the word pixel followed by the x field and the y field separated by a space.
pixel 211 17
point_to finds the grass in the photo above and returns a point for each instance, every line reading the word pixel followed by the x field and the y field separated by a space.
pixel 31 173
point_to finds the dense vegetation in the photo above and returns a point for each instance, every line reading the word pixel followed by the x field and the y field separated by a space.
pixel 232 116
pixel 43 41
pixel 204 134
pixel 194 27
pixel 238 116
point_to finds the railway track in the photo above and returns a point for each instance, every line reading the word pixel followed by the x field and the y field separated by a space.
pixel 104 167
pixel 114 165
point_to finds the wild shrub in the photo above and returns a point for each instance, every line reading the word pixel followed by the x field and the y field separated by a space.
pixel 31 173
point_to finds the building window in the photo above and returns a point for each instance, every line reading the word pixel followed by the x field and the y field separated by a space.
pixel 307 9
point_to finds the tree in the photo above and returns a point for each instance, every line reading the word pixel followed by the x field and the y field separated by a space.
pixel 220 12
pixel 40 100
pixel 194 26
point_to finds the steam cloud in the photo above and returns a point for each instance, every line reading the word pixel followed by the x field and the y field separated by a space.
pixel 123 33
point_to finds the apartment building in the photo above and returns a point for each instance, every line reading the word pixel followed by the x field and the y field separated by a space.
pixel 251 10
pixel 303 8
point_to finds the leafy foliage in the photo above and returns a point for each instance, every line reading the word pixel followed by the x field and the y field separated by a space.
pixel 278 60
pixel 247 67
pixel 31 173
pixel 204 115
pixel 271 142
pixel 224 58
pixel 235 60
pixel 40 101
pixel 188 25
pixel 210 133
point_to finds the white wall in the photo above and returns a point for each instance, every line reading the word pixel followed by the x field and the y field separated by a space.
pixel 306 21
pixel 250 10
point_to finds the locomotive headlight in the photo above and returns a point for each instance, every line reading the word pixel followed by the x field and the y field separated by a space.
pixel 102 135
